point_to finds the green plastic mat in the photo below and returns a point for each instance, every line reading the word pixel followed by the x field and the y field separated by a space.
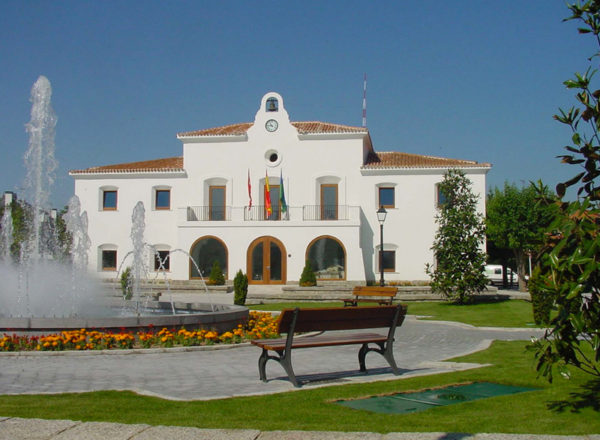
pixel 419 401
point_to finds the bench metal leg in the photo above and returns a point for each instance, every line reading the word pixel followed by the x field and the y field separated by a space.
pixel 362 353
pixel 388 354
pixel 262 362
pixel 284 359
pixel 386 350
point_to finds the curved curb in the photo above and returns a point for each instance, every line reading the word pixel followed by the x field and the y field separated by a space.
pixel 129 351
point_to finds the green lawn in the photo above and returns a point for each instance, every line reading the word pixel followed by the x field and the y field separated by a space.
pixel 510 313
pixel 564 407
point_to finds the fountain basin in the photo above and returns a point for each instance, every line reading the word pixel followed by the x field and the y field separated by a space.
pixel 217 317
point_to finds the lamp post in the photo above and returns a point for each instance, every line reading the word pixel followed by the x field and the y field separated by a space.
pixel 381 214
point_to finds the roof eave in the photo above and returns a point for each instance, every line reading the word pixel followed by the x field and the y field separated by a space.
pixel 126 173
pixel 213 138
pixel 333 135
pixel 479 168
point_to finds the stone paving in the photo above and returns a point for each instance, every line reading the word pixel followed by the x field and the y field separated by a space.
pixel 216 372
pixel 421 347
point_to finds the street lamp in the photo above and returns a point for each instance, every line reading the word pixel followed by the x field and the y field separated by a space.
pixel 381 214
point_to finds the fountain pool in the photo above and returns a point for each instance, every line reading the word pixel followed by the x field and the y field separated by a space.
pixel 45 289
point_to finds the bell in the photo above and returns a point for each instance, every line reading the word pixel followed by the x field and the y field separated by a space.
pixel 271 105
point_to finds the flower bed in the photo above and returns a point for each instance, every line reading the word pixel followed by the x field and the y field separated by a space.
pixel 260 325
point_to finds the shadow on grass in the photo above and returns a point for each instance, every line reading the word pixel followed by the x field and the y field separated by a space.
pixel 587 397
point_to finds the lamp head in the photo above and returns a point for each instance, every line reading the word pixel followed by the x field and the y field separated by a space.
pixel 381 214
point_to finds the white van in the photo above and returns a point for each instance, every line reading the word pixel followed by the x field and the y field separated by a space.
pixel 494 274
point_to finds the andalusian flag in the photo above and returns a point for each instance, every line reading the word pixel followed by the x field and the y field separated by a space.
pixel 282 203
pixel 268 206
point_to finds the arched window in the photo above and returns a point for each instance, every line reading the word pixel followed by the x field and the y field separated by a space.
pixel 205 251
pixel 328 258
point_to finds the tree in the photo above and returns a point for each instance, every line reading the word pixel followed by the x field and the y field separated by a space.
pixel 308 278
pixel 516 221
pixel 240 288
pixel 458 244
pixel 570 263
pixel 216 277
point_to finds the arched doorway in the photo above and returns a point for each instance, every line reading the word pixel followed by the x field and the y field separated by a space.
pixel 266 261
pixel 205 251
pixel 327 256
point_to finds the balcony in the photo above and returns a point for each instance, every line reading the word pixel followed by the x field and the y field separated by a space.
pixel 237 215
pixel 324 212
pixel 259 213
pixel 208 213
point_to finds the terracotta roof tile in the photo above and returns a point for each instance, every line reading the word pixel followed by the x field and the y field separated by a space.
pixel 394 159
pixel 316 127
pixel 309 127
pixel 156 165
pixel 225 130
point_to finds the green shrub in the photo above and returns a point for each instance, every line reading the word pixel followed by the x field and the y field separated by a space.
pixel 308 277
pixel 216 277
pixel 127 283
pixel 240 288
pixel 541 299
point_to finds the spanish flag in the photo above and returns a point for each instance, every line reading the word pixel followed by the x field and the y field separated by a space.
pixel 249 191
pixel 268 206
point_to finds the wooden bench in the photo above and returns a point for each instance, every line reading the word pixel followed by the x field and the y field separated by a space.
pixel 376 294
pixel 332 319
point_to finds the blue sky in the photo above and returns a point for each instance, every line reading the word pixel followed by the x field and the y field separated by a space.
pixel 468 79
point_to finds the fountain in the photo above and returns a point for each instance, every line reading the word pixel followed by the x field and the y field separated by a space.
pixel 45 288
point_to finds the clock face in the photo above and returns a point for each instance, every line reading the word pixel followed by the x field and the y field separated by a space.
pixel 271 125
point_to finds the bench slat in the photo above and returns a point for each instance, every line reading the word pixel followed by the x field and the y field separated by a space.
pixel 325 319
pixel 321 341
pixel 374 291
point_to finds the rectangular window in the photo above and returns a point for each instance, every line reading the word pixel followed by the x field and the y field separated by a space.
pixel 163 199
pixel 389 261
pixel 109 200
pixel 216 210
pixel 109 260
pixel 440 196
pixel 386 197
pixel 162 261
pixel 329 202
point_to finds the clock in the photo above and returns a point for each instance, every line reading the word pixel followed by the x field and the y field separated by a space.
pixel 271 125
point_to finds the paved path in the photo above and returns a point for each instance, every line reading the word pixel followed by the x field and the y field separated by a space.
pixel 39 429
pixel 214 372
pixel 202 373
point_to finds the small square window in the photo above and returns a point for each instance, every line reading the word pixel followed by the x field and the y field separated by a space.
pixel 162 261
pixel 109 260
pixel 109 200
pixel 386 197
pixel 389 261
pixel 163 199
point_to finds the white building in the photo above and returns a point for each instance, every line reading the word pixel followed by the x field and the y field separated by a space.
pixel 333 182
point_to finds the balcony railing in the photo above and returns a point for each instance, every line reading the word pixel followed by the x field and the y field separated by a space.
pixel 259 213
pixel 208 213
pixel 325 212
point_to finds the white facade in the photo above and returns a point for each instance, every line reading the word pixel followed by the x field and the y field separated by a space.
pixel 331 179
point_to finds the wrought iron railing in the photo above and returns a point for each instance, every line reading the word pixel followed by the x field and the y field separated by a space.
pixel 259 213
pixel 208 213
pixel 325 212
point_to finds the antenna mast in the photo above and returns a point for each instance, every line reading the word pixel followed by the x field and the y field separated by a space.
pixel 364 107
